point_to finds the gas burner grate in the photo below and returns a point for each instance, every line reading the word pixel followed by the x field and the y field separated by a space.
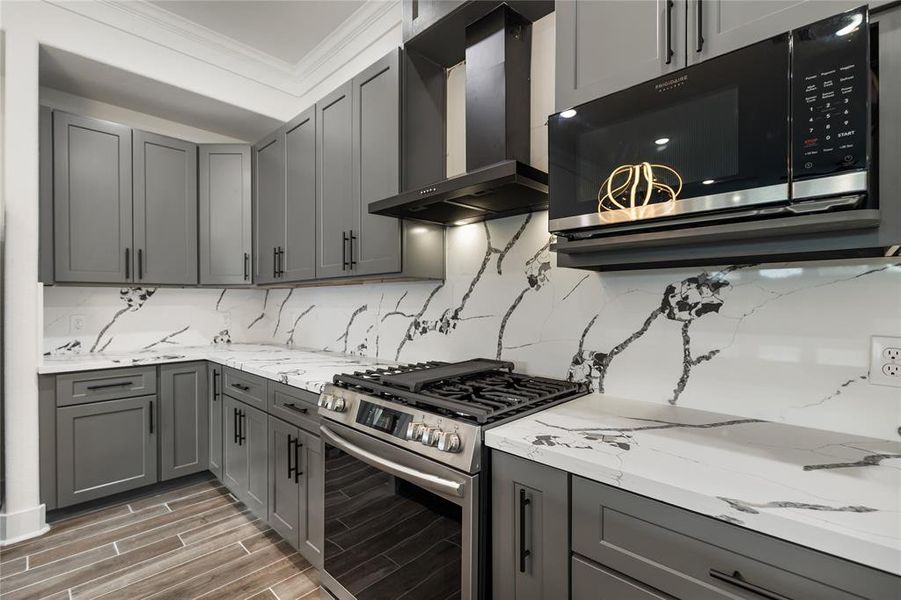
pixel 484 397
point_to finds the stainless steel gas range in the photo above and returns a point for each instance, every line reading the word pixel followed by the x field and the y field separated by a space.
pixel 406 474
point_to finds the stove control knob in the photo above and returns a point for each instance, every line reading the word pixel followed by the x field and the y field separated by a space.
pixel 324 399
pixel 430 436
pixel 449 442
pixel 338 404
pixel 414 431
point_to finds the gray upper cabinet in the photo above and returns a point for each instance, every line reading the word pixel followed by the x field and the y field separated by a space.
pixel 376 165
pixel 225 231
pixel 336 205
pixel 105 447
pixel 165 209
pixel 719 26
pixel 529 529
pixel 604 46
pixel 184 420
pixel 299 258
pixel 92 200
pixel 270 205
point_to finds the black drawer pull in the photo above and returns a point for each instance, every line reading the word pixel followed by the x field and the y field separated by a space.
pixel 241 386
pixel 524 553
pixel 738 580
pixel 103 386
pixel 296 408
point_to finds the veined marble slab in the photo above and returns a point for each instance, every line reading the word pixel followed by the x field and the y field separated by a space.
pixel 303 368
pixel 834 492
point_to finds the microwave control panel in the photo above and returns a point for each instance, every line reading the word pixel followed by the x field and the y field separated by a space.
pixel 831 96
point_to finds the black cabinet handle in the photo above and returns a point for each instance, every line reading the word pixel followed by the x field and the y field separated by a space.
pixel 699 22
pixel 246 266
pixel 291 469
pixel 343 250
pixel 243 421
pixel 524 553
pixel 140 263
pixel 215 385
pixel 274 261
pixel 297 471
pixel 739 581
pixel 295 408
pixel 241 386
pixel 669 31
pixel 103 386
pixel 352 238
pixel 236 425
pixel 280 253
pixel 151 417
pixel 128 263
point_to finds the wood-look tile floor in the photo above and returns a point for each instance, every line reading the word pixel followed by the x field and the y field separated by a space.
pixel 195 541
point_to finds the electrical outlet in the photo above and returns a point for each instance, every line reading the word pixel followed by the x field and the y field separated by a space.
pixel 885 360
pixel 76 323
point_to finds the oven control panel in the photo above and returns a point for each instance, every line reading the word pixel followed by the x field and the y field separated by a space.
pixel 831 95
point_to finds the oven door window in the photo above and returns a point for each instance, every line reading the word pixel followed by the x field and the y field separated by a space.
pixel 387 538
pixel 714 131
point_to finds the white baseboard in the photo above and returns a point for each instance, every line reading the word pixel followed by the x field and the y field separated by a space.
pixel 22 525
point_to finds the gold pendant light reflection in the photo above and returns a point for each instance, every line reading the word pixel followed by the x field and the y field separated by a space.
pixel 631 188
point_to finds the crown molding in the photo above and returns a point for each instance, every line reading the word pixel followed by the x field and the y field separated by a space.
pixel 367 26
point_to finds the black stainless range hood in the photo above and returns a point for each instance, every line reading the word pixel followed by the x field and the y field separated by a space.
pixel 498 181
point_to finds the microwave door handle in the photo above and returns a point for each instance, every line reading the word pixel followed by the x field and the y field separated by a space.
pixel 426 480
pixel 669 32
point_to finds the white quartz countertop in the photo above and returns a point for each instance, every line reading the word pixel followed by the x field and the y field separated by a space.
pixel 837 493
pixel 303 368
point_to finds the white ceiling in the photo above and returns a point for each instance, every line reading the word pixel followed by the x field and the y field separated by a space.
pixel 284 29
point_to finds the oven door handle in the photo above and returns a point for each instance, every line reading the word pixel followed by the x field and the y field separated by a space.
pixel 426 480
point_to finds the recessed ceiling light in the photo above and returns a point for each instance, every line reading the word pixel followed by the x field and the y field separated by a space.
pixel 568 114
pixel 707 181
pixel 661 141
pixel 461 222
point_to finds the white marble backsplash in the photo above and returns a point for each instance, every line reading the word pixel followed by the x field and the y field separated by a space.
pixel 781 342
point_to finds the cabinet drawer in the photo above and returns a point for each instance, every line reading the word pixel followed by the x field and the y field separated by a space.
pixel 593 582
pixel 245 387
pixel 91 386
pixel 294 405
pixel 693 556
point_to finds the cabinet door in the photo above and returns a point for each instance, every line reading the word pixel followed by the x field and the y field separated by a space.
pixel 335 202
pixel 285 479
pixel 299 260
pixel 234 454
pixel 225 214
pixel 254 437
pixel 719 26
pixel 376 165
pixel 604 46
pixel 270 205
pixel 593 582
pixel 312 499
pixel 92 200
pixel 529 524
pixel 165 209
pixel 214 373
pixel 184 419
pixel 104 448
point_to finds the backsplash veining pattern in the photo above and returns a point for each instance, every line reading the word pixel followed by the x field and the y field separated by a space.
pixel 778 342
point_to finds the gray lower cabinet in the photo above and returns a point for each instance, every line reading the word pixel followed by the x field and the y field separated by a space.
pixel 165 209
pixel 245 465
pixel 336 207
pixel 604 46
pixel 376 245
pixel 225 207
pixel 594 582
pixel 214 375
pixel 312 499
pixel 269 173
pixel 92 200
pixel 184 421
pixel 529 529
pixel 672 552
pixel 285 480
pixel 105 447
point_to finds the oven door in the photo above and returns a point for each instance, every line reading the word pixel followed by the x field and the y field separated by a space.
pixel 397 525
pixel 716 135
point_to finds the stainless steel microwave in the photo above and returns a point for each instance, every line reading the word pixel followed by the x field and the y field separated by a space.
pixel 780 128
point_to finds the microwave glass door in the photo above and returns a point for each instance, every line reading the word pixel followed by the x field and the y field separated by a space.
pixel 386 537
pixel 718 130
